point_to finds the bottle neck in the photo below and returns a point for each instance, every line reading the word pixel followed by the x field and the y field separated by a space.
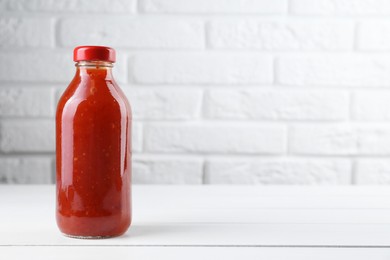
pixel 95 69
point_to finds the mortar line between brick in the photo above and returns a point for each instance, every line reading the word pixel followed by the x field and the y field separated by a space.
pixel 137 7
pixel 351 112
pixel 57 33
pixel 288 139
pixel 204 172
pixel 275 70
pixel 355 42
pixel 289 7
pixel 206 34
pixel 53 169
pixel 353 171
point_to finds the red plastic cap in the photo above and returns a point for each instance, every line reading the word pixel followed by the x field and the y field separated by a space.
pixel 84 53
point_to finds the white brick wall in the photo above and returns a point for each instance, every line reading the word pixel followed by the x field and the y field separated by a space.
pixel 35 170
pixel 371 105
pixel 276 104
pixel 167 170
pixel 214 6
pixel 71 6
pixel 137 32
pixel 340 139
pixel 26 32
pixel 373 171
pixel 215 138
pixel 201 68
pixel 23 135
pixel 340 7
pixel 281 35
pixel 167 103
pixel 222 91
pixel 29 102
pixel 334 70
pixel 272 171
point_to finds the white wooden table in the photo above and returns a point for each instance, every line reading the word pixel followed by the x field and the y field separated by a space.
pixel 210 222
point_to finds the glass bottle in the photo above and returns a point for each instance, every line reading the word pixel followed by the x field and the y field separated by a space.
pixel 93 150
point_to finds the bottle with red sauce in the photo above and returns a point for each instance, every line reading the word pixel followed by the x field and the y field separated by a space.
pixel 93 150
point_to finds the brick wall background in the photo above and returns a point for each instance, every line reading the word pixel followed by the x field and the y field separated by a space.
pixel 223 91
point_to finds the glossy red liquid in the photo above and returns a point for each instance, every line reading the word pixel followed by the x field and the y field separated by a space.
pixel 93 156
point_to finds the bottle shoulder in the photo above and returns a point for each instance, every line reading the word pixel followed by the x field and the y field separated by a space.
pixel 95 96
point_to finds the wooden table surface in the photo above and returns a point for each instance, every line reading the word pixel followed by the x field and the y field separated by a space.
pixel 207 222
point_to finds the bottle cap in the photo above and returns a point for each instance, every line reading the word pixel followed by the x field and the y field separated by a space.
pixel 94 53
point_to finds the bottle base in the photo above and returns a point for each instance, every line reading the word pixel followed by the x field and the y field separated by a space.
pixel 88 237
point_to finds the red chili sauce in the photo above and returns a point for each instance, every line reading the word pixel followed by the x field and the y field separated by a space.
pixel 93 156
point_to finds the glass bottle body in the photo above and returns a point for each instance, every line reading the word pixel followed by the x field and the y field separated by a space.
pixel 93 155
